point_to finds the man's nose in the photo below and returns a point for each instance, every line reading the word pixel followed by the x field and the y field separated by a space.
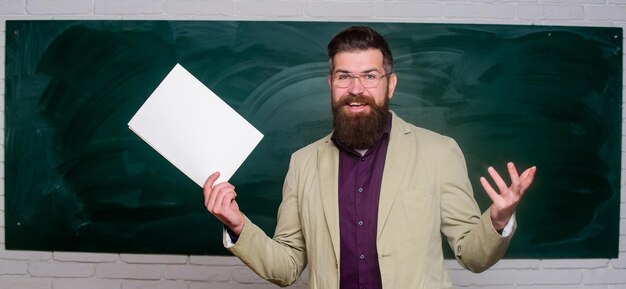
pixel 356 87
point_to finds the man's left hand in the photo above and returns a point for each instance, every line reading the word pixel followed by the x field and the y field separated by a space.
pixel 505 202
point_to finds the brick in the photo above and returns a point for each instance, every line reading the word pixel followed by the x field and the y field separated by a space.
pixel 619 2
pixel 269 8
pixel 476 10
pixel 129 271
pixel 91 283
pixel 60 269
pixel 12 267
pixel 338 9
pixel 622 244
pixel 38 7
pixel 25 282
pixel 12 7
pixel 606 12
pixel 161 284
pixel 574 263
pixel 197 273
pixel 154 259
pixel 604 276
pixel 561 287
pixel 619 263
pixel 24 255
pixel 206 285
pixel 408 9
pixel 505 1
pixel 215 260
pixel 195 7
pixel 245 275
pixel 548 277
pixel 516 264
pixel 575 1
pixel 492 287
pixel 550 12
pixel 623 186
pixel 489 277
pixel 128 7
pixel 85 257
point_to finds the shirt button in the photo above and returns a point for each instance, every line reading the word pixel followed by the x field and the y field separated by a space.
pixel 362 159
pixel 360 190
pixel 362 257
pixel 360 223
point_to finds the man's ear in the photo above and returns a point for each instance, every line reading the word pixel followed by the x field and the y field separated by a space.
pixel 330 84
pixel 393 80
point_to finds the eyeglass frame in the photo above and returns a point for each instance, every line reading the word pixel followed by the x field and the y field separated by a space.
pixel 360 77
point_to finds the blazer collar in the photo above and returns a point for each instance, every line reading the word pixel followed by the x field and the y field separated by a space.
pixel 328 172
pixel 395 166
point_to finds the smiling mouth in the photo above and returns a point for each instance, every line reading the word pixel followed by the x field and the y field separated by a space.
pixel 356 104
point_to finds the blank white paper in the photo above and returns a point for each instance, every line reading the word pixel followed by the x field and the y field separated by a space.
pixel 194 129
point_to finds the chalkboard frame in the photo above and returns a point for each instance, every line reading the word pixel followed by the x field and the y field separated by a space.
pixel 78 180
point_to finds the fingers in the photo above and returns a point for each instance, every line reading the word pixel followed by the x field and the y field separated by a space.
pixel 490 191
pixel 223 199
pixel 218 192
pixel 514 176
pixel 208 186
pixel 526 179
pixel 519 183
pixel 214 194
pixel 498 180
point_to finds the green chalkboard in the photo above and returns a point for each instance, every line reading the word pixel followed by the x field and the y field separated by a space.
pixel 77 179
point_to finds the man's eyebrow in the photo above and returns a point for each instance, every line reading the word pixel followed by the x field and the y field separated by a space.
pixel 364 71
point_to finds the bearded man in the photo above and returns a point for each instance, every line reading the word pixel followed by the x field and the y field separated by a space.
pixel 367 205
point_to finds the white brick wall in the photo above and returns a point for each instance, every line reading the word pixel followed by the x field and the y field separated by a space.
pixel 66 270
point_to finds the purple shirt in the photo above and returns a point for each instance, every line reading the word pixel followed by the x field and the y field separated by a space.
pixel 360 179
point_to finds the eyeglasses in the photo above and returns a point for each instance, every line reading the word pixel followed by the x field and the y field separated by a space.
pixel 369 80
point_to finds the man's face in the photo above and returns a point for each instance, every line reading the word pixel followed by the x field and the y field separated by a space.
pixel 359 104
pixel 358 98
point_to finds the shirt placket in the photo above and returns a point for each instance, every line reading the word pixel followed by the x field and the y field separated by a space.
pixel 361 221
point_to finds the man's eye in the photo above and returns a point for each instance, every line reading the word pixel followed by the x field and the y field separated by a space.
pixel 370 76
pixel 343 76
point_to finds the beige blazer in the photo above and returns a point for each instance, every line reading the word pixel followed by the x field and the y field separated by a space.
pixel 425 193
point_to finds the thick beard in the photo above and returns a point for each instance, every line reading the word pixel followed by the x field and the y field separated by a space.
pixel 361 130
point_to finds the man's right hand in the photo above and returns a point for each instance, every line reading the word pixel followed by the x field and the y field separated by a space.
pixel 220 201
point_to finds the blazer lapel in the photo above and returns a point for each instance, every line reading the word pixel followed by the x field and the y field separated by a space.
pixel 395 166
pixel 328 172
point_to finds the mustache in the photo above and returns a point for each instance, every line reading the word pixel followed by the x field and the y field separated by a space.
pixel 356 98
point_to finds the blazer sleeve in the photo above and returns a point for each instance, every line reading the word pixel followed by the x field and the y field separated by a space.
pixel 280 259
pixel 475 243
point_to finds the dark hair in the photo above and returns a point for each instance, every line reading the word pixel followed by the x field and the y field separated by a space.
pixel 358 38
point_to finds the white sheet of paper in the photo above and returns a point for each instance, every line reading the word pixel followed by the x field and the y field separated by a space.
pixel 194 129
